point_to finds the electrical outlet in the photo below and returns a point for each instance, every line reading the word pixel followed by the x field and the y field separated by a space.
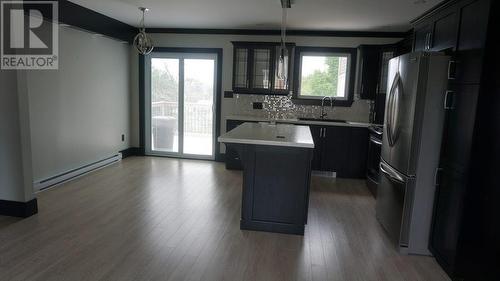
pixel 123 137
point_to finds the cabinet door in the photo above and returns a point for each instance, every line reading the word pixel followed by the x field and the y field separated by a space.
pixel 444 35
pixel 471 42
pixel 261 69
pixel 447 218
pixel 317 132
pixel 355 166
pixel 240 69
pixel 459 127
pixel 336 150
pixel 370 71
pixel 421 40
pixel 232 158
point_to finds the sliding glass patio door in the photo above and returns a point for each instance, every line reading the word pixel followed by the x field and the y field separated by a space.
pixel 180 99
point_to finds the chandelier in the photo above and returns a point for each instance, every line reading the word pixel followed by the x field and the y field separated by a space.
pixel 142 41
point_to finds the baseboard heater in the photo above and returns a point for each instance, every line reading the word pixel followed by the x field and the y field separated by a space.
pixel 66 176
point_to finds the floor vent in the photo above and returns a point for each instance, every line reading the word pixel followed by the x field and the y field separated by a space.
pixel 69 175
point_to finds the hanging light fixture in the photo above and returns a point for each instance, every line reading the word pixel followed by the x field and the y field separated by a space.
pixel 283 51
pixel 142 41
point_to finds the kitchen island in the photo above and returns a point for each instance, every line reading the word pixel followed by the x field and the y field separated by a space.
pixel 276 161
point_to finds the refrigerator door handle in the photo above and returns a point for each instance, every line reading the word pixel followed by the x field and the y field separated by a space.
pixel 375 141
pixel 392 174
pixel 391 109
pixel 397 102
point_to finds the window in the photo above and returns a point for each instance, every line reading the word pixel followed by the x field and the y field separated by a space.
pixel 324 72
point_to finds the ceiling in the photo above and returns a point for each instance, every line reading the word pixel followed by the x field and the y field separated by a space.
pixel 338 15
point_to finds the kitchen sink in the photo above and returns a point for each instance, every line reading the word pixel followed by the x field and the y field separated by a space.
pixel 323 120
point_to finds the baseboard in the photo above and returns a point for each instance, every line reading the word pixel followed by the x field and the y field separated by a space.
pixel 69 175
pixel 131 151
pixel 18 209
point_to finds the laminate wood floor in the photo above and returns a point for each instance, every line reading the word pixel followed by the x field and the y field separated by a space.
pixel 169 219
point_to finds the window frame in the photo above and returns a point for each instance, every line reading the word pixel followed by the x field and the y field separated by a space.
pixel 351 53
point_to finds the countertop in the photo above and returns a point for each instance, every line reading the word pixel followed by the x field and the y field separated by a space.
pixel 270 134
pixel 297 121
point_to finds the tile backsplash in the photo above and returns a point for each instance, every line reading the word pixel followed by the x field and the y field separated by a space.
pixel 282 107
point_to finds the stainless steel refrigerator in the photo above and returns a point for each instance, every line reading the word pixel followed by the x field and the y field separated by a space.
pixel 413 128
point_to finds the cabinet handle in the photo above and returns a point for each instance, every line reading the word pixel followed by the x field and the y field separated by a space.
pixel 426 47
pixel 446 103
pixel 430 41
pixel 324 132
pixel 436 176
pixel 452 69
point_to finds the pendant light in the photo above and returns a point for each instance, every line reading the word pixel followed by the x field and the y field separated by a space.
pixel 283 51
pixel 142 41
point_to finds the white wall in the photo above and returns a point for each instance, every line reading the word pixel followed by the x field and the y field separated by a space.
pixel 15 156
pixel 359 110
pixel 79 112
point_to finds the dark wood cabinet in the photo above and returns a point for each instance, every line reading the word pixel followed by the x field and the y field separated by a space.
pixel 336 144
pixel 317 134
pixel 471 41
pixel 444 33
pixel 357 157
pixel 461 105
pixel 374 61
pixel 369 71
pixel 465 229
pixel 422 37
pixel 437 33
pixel 232 159
pixel 255 68
pixel 448 212
pixel 340 149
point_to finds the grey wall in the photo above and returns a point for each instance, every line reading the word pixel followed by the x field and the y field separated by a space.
pixel 358 112
pixel 79 112
pixel 15 156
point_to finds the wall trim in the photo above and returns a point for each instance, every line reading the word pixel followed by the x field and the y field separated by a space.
pixel 275 32
pixel 18 209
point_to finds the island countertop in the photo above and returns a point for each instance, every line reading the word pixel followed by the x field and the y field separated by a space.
pixel 270 134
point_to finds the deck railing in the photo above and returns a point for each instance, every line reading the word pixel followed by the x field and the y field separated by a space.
pixel 197 116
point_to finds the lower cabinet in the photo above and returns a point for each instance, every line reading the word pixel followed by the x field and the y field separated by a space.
pixel 232 158
pixel 339 149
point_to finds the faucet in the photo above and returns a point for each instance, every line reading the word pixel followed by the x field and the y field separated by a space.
pixel 323 113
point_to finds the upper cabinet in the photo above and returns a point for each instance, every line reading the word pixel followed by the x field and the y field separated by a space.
pixel 255 68
pixel 374 60
pixel 438 33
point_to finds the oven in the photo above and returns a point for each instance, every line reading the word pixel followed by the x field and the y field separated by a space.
pixel 374 151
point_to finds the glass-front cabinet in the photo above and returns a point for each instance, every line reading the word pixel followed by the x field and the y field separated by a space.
pixel 255 68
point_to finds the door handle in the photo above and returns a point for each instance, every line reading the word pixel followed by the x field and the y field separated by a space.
pixel 390 173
